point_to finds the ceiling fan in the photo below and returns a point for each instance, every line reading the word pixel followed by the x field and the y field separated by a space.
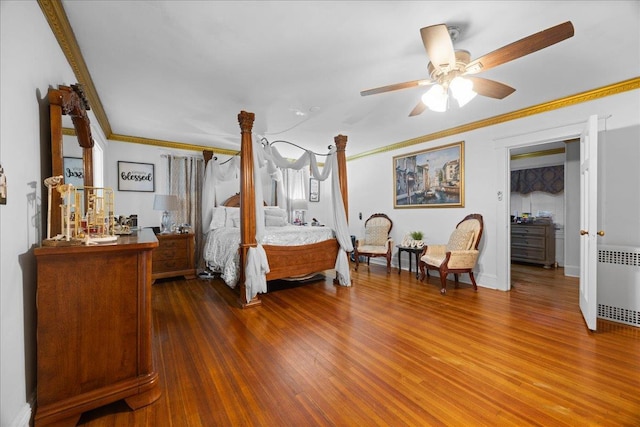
pixel 452 70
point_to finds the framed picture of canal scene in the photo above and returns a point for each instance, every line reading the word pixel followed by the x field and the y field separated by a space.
pixel 432 178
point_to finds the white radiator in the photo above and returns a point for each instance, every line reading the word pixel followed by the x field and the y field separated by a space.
pixel 619 284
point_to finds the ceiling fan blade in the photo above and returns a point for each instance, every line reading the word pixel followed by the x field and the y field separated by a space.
pixel 418 109
pixel 490 88
pixel 437 42
pixel 397 86
pixel 522 47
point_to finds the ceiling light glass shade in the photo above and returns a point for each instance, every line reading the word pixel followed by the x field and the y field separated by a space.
pixel 436 98
pixel 462 90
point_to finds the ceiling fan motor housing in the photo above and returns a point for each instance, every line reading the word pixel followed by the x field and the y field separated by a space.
pixel 447 73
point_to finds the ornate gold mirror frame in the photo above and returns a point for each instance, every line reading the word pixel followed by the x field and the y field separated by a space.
pixel 69 101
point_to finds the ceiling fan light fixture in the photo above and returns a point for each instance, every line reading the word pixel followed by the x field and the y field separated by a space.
pixel 462 90
pixel 436 98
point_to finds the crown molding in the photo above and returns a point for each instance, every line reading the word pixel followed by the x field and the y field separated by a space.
pixel 57 19
pixel 159 143
pixel 590 95
pixel 171 144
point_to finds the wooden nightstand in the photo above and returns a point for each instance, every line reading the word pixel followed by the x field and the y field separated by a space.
pixel 175 256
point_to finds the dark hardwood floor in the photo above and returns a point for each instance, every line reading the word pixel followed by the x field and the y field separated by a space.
pixel 388 351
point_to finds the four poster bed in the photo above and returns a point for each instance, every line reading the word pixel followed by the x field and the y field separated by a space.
pixel 263 253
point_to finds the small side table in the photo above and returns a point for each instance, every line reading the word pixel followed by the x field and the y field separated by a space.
pixel 174 256
pixel 412 251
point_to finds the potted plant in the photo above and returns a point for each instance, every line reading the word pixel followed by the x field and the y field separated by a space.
pixel 417 239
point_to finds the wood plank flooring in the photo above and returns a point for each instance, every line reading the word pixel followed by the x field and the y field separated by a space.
pixel 389 351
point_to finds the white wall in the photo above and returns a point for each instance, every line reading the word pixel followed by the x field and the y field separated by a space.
pixel 485 176
pixel 619 186
pixel 30 62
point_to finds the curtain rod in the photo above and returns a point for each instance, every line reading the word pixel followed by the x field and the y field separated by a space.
pixel 295 145
pixel 181 156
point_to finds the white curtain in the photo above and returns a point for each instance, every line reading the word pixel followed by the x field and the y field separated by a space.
pixel 216 173
pixel 294 183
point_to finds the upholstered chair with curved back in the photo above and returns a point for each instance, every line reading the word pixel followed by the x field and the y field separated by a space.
pixel 376 242
pixel 459 255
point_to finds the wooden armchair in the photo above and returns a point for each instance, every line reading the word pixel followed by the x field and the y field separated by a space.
pixel 458 256
pixel 377 242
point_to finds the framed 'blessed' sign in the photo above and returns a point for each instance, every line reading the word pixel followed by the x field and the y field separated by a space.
pixel 136 176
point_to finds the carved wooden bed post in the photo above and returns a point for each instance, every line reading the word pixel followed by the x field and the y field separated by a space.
pixel 207 155
pixel 341 145
pixel 247 202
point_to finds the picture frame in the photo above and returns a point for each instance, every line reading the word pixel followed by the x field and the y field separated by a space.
pixel 314 190
pixel 133 176
pixel 431 178
pixel 73 171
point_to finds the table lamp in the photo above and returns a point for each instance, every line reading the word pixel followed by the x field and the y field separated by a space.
pixel 299 206
pixel 165 203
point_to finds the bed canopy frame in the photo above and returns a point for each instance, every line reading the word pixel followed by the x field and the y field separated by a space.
pixel 284 261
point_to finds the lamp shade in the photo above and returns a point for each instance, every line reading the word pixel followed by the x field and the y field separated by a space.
pixel 436 98
pixel 165 202
pixel 462 90
pixel 299 204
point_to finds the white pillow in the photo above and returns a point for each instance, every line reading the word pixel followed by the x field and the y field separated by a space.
pixel 233 214
pixel 274 221
pixel 218 218
pixel 275 211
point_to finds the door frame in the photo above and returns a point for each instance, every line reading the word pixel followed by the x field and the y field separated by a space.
pixel 503 147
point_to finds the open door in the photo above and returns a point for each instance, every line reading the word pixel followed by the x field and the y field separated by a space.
pixel 589 222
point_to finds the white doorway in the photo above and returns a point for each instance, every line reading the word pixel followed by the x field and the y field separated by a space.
pixel 505 147
pixel 547 162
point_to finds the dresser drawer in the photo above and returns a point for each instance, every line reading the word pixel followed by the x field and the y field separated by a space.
pixel 173 264
pixel 527 230
pixel 533 243
pixel 174 256
pixel 530 241
pixel 526 253
pixel 175 249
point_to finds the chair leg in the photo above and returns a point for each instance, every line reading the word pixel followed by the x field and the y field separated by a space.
pixel 473 281
pixel 443 282
pixel 357 257
pixel 455 278
pixel 388 263
pixel 422 271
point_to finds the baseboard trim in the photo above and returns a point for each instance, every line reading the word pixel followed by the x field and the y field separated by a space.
pixel 572 270
pixel 23 418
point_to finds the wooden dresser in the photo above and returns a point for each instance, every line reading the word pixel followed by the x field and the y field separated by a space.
pixel 175 256
pixel 94 328
pixel 534 243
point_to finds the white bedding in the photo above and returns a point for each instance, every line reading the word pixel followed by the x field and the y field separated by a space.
pixel 221 247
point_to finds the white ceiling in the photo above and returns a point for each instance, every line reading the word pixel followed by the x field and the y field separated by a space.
pixel 181 71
